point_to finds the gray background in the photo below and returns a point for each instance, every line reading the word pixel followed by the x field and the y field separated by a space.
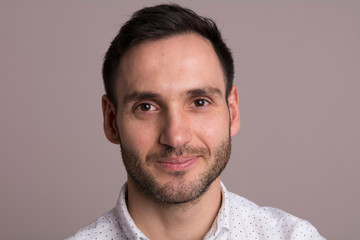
pixel 297 69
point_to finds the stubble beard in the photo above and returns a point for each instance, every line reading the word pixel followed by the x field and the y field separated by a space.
pixel 180 190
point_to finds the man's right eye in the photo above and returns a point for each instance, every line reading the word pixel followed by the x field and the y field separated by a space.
pixel 145 107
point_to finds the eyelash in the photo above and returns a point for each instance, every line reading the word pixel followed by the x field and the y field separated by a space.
pixel 138 107
pixel 206 102
pixel 193 104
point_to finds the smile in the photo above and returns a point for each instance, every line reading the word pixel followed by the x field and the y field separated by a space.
pixel 177 164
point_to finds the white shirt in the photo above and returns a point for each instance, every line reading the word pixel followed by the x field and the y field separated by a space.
pixel 238 218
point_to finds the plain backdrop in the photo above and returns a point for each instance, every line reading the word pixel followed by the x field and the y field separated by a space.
pixel 298 73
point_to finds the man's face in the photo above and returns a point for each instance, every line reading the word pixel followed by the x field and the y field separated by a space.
pixel 172 119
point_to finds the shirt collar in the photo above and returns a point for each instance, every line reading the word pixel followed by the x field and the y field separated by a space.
pixel 221 223
pixel 126 223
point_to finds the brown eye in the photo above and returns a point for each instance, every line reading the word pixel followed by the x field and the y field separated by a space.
pixel 200 102
pixel 145 107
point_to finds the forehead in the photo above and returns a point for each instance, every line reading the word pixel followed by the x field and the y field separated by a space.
pixel 171 65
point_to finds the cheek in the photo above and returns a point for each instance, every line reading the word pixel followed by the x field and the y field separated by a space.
pixel 138 137
pixel 214 129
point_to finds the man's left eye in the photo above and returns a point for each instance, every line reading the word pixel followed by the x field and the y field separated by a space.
pixel 201 102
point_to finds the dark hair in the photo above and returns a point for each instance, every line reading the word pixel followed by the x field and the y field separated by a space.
pixel 161 21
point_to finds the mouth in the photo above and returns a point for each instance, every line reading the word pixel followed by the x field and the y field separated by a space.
pixel 177 163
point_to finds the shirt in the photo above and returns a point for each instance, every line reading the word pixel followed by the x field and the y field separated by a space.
pixel 238 218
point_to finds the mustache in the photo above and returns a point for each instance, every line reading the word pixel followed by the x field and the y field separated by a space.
pixel 178 152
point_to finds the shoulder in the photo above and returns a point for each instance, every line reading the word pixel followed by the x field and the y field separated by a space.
pixel 267 222
pixel 106 226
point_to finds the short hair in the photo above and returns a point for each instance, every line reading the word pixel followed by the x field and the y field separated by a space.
pixel 158 22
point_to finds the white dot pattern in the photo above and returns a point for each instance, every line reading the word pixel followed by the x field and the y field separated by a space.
pixel 238 218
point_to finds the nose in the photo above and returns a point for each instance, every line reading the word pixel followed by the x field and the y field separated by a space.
pixel 176 130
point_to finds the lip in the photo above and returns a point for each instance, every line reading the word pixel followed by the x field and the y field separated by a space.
pixel 177 164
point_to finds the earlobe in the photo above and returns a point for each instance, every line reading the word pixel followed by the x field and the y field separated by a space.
pixel 109 116
pixel 233 103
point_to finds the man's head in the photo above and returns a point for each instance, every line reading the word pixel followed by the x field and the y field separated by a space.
pixel 172 113
pixel 158 22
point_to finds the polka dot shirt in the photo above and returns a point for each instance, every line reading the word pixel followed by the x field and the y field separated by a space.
pixel 238 218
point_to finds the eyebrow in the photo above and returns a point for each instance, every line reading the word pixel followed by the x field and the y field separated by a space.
pixel 204 91
pixel 138 96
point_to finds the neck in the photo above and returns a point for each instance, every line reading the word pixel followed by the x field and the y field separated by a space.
pixel 174 221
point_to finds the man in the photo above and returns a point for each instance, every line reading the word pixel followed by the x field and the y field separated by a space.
pixel 171 105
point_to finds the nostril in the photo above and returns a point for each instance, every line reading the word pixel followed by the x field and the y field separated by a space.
pixel 175 136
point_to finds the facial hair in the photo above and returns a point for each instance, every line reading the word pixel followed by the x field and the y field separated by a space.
pixel 180 190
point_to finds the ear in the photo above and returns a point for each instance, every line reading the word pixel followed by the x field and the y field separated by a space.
pixel 233 104
pixel 109 115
